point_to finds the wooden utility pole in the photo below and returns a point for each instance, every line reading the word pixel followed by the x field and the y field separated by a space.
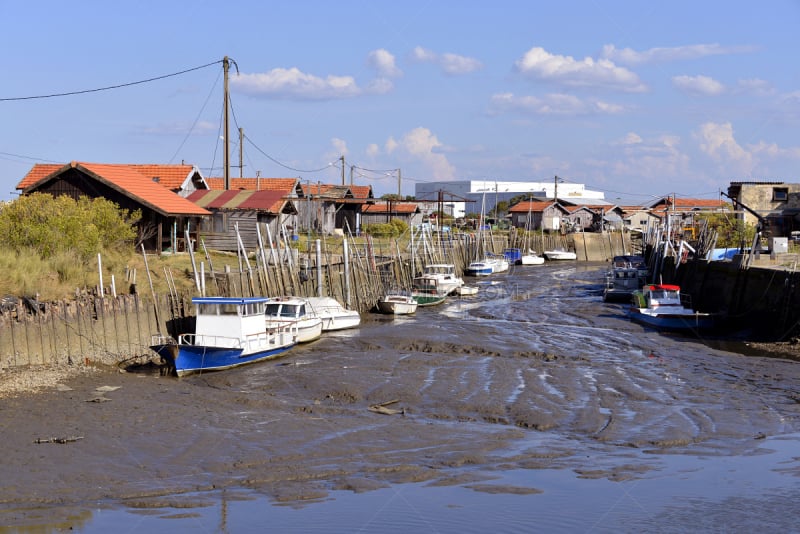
pixel 342 158
pixel 398 185
pixel 241 152
pixel 226 65
pixel 555 191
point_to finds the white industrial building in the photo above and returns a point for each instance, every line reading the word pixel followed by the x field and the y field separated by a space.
pixel 460 198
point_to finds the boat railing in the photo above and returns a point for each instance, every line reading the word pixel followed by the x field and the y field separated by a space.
pixel 210 341
pixel 162 339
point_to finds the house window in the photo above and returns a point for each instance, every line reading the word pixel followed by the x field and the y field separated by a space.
pixel 780 194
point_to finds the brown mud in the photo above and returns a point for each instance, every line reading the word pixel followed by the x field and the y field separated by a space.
pixel 533 373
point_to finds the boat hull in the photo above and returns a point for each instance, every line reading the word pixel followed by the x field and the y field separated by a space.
pixel 674 322
pixel 395 307
pixel 429 300
pixel 189 359
pixel 478 270
pixel 531 260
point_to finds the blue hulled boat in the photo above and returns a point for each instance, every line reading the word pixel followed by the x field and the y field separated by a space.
pixel 229 332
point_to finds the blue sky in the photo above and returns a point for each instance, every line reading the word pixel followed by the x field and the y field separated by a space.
pixel 635 99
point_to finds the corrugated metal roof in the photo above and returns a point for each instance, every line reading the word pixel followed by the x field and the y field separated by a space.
pixel 267 201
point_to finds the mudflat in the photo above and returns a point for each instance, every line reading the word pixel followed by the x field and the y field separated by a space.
pixel 449 397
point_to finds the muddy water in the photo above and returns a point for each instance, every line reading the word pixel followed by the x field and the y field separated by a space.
pixel 531 406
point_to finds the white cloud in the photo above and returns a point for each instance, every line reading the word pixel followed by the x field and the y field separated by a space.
pixel 699 85
pixel 551 104
pixel 452 64
pixel 628 56
pixel 379 86
pixel 423 146
pixel 294 84
pixel 384 63
pixel 756 86
pixel 542 65
pixel 373 150
pixel 339 147
pixel 631 138
pixel 390 145
pixel 717 142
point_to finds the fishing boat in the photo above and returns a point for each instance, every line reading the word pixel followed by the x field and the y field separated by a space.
pixel 531 258
pixel 662 306
pixel 479 268
pixel 559 255
pixel 397 302
pixel 334 316
pixel 426 291
pixel 286 311
pixel 445 274
pixel 627 274
pixel 229 332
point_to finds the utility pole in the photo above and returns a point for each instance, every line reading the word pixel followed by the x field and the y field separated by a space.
pixel 241 152
pixel 342 158
pixel 555 190
pixel 398 184
pixel 226 153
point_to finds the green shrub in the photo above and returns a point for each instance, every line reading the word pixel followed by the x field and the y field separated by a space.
pixel 49 225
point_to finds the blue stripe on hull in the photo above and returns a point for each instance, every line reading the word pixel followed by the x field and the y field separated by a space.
pixel 194 359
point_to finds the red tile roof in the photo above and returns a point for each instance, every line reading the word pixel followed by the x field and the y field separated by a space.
pixel 169 176
pixel 532 205
pixel 267 201
pixel 286 185
pixel 132 184
pixel 382 206
pixel 362 192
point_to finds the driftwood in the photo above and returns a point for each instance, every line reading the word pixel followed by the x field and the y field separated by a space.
pixel 382 408
pixel 68 439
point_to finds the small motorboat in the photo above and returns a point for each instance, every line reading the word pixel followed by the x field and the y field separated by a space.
pixel 397 303
pixel 334 316
pixel 285 311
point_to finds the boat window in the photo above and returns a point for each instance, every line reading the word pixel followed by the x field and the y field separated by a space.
pixel 207 309
pixel 229 309
pixel 288 311
pixel 273 309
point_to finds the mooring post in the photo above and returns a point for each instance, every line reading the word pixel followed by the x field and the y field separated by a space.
pixel 319 268
pixel 346 273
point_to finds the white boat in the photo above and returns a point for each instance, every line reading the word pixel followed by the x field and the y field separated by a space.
pixel 284 311
pixel 499 264
pixel 467 290
pixel 334 316
pixel 479 268
pixel 397 303
pixel 661 306
pixel 531 258
pixel 229 332
pixel 559 254
pixel 445 274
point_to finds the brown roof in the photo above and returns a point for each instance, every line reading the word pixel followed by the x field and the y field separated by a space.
pixel 236 199
pixel 130 183
pixel 362 192
pixel 383 206
pixel 285 185
pixel 169 176
pixel 532 205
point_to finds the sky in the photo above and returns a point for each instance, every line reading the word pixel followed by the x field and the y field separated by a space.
pixel 633 99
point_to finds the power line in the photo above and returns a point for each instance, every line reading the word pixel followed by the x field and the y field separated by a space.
pixel 71 93
pixel 328 166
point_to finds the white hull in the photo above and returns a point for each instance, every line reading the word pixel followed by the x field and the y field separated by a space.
pixel 556 255
pixel 467 290
pixel 531 259
pixel 334 316
pixel 397 305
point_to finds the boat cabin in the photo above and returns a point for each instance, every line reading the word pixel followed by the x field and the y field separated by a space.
pixel 228 321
